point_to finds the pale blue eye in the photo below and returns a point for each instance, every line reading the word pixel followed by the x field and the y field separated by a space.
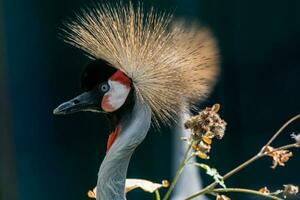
pixel 104 87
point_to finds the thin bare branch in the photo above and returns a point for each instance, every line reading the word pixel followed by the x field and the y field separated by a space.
pixel 260 154
pixel 243 190
pixel 282 128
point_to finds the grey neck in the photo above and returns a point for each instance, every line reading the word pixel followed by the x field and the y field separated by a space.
pixel 113 170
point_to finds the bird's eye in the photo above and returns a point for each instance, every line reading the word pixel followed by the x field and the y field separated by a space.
pixel 104 87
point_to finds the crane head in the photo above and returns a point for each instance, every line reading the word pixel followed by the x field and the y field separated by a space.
pixel 105 90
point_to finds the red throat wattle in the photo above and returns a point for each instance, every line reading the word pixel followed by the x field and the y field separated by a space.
pixel 112 138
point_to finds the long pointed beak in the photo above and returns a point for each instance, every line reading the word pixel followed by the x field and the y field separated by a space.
pixel 87 101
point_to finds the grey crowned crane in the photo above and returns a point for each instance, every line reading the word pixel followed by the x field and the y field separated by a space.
pixel 145 67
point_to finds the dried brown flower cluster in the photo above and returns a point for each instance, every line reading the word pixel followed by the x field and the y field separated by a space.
pixel 290 190
pixel 264 190
pixel 204 127
pixel 280 157
pixel 287 190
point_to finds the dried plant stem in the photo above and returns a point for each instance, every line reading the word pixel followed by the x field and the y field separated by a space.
pixel 243 190
pixel 288 146
pixel 282 128
pixel 157 195
pixel 259 155
pixel 243 165
pixel 210 187
pixel 186 157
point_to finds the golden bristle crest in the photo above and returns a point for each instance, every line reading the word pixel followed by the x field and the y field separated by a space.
pixel 170 64
pixel 200 66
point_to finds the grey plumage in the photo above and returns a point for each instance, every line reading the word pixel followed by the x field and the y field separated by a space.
pixel 113 170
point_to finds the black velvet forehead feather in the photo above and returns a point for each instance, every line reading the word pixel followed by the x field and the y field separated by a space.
pixel 96 72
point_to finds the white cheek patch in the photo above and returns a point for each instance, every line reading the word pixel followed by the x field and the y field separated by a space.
pixel 115 97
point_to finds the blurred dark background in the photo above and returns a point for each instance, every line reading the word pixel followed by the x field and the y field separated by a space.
pixel 52 157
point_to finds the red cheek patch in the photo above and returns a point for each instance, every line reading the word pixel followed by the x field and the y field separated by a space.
pixel 106 105
pixel 121 78
pixel 120 87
